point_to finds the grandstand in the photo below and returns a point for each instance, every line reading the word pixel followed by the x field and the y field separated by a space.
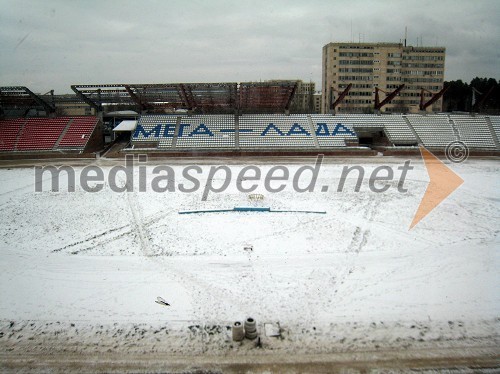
pixel 309 132
pixel 9 131
pixel 40 134
pixel 60 134
pixel 217 118
pixel 474 132
pixel 298 133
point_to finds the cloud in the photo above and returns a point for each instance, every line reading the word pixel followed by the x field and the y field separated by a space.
pixel 93 41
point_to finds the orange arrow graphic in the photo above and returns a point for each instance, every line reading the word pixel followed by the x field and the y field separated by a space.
pixel 442 182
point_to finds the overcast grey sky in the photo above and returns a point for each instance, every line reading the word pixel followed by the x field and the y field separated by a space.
pixel 52 44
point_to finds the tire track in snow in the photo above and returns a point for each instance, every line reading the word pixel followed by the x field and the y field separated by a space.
pixel 358 241
pixel 104 235
pixel 137 222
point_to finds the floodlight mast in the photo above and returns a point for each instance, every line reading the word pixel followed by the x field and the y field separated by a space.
pixel 341 96
pixel 379 104
pixel 478 105
pixel 435 97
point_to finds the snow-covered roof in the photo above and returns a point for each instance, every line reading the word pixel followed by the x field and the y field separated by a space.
pixel 122 113
pixel 126 125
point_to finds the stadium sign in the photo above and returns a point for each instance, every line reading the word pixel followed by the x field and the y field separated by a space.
pixel 188 130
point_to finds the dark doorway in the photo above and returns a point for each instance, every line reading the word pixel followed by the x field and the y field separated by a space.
pixel 372 137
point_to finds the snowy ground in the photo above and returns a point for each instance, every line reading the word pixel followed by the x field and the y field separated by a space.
pixel 80 271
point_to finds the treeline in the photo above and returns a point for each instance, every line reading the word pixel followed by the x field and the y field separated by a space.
pixel 461 96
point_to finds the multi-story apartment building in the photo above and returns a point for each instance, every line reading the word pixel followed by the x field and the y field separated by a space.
pixel 382 65
pixel 317 102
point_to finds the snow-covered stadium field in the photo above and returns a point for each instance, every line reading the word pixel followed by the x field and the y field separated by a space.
pixel 80 272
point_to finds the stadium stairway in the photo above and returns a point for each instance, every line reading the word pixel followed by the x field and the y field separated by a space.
pixel 18 136
pixel 313 131
pixel 63 133
pixel 176 131
pixel 413 130
pixel 493 132
pixel 452 124
pixel 237 132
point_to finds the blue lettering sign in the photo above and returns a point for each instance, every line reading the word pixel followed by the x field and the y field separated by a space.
pixel 181 128
pixel 269 127
pixel 169 131
pixel 140 130
pixel 322 130
pixel 201 130
pixel 297 129
pixel 341 129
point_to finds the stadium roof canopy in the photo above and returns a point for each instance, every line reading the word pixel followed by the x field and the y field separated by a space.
pixel 266 96
pixel 201 97
pixel 207 97
pixel 19 100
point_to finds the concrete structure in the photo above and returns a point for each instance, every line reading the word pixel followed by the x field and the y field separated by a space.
pixel 383 65
pixel 74 109
pixel 303 101
pixel 317 102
